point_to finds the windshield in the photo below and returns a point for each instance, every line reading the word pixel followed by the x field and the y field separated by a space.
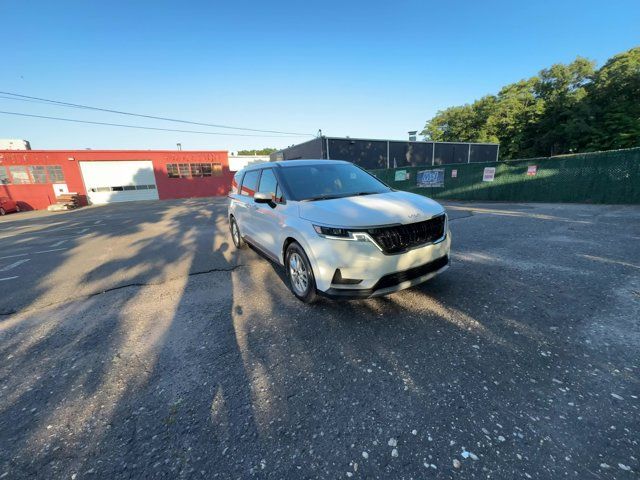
pixel 326 181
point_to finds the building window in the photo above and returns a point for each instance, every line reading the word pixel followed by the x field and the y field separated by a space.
pixel 183 169
pixel 172 170
pixel 20 175
pixel 38 174
pixel 4 176
pixel 206 169
pixel 196 169
pixel 55 174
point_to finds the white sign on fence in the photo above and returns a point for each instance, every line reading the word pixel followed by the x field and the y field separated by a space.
pixel 489 174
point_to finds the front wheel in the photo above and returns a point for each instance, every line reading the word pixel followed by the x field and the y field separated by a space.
pixel 17 208
pixel 235 234
pixel 2 212
pixel 301 280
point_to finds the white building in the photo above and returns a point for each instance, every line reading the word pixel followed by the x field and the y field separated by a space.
pixel 238 162
pixel 14 144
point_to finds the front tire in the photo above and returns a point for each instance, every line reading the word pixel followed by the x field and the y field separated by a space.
pixel 301 280
pixel 2 212
pixel 235 234
pixel 17 208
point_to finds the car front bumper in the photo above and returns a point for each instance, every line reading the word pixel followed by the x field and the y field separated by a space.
pixel 378 273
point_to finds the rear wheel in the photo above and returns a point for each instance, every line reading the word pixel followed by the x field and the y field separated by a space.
pixel 2 212
pixel 17 208
pixel 301 280
pixel 235 234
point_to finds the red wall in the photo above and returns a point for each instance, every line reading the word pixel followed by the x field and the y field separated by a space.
pixel 40 196
pixel 191 187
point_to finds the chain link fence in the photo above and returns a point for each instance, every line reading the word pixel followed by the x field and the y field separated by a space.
pixel 599 177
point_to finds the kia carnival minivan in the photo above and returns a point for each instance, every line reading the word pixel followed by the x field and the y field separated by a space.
pixel 338 230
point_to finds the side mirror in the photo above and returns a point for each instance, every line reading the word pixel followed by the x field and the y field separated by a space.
pixel 262 197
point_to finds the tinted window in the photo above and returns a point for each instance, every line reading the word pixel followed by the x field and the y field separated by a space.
pixel 268 182
pixel 250 183
pixel 306 182
pixel 235 183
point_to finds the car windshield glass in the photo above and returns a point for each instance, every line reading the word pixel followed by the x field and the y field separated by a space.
pixel 326 181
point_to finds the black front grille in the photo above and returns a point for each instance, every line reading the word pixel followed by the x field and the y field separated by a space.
pixel 403 237
pixel 394 279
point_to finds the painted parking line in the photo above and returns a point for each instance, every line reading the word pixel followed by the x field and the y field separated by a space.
pixel 7 278
pixel 34 253
pixel 57 244
pixel 52 250
pixel 14 265
pixel 15 256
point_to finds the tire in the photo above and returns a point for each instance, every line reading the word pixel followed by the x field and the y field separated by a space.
pixel 17 209
pixel 302 283
pixel 235 234
pixel 2 212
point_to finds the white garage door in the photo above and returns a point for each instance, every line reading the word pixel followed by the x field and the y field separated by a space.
pixel 129 181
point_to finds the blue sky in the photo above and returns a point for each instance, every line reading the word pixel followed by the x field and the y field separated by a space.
pixel 364 69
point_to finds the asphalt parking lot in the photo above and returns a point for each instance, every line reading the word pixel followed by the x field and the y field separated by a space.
pixel 137 343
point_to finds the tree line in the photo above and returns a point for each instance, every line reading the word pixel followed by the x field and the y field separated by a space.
pixel 263 151
pixel 564 109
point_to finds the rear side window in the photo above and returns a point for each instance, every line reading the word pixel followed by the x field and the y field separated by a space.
pixel 250 183
pixel 235 183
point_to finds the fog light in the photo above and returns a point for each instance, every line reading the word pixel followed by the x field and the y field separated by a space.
pixel 339 280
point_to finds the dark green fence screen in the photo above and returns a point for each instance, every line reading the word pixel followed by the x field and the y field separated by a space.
pixel 598 177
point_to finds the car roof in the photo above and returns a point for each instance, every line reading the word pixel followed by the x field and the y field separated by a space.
pixel 293 163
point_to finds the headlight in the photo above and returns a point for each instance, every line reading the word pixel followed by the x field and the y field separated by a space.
pixel 343 234
pixel 331 232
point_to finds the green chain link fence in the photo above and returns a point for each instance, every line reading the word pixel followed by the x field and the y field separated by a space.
pixel 598 177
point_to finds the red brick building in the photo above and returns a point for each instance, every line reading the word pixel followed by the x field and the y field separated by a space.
pixel 33 178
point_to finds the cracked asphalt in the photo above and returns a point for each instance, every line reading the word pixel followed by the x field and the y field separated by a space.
pixel 137 343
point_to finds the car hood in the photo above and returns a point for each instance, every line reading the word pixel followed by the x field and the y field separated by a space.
pixel 370 210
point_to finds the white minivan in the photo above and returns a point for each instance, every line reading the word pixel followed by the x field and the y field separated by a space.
pixel 338 230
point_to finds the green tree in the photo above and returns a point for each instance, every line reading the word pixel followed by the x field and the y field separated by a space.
pixel 612 106
pixel 264 151
pixel 565 108
pixel 562 88
pixel 517 109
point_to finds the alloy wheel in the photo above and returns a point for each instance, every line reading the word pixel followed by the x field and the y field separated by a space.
pixel 298 274
pixel 235 233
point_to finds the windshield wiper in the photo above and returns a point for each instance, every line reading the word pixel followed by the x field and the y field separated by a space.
pixel 343 195
pixel 322 197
